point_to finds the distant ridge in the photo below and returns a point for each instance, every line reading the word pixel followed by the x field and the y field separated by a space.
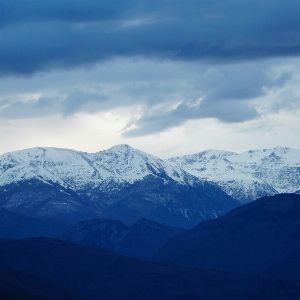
pixel 259 237
pixel 249 175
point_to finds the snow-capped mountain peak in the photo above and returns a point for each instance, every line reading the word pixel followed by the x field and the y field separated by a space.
pixel 118 183
pixel 245 176
pixel 77 170
pixel 248 175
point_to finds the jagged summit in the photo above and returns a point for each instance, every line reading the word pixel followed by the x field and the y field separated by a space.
pixel 120 148
pixel 77 169
pixel 118 183
pixel 248 175
pixel 245 176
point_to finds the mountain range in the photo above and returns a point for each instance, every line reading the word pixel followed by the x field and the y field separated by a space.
pixel 120 183
pixel 123 224
pixel 249 175
pixel 126 184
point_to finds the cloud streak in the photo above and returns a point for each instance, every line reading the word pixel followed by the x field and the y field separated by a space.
pixel 163 95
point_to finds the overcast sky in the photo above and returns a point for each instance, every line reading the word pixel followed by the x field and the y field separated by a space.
pixel 168 77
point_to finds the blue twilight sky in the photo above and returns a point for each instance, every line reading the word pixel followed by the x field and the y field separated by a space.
pixel 168 76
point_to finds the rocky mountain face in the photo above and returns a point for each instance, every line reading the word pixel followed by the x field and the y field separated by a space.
pixel 249 175
pixel 118 183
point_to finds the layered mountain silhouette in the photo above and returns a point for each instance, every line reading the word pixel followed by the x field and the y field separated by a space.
pixel 92 273
pixel 114 211
pixel 260 237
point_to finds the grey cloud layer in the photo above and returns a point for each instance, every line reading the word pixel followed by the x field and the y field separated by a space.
pixel 39 34
pixel 228 93
pixel 168 93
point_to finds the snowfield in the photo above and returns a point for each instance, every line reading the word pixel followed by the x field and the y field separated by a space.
pixel 248 175
pixel 245 177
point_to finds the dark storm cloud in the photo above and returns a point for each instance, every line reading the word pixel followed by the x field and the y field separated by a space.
pixel 226 93
pixel 43 34
pixel 14 11
pixel 167 94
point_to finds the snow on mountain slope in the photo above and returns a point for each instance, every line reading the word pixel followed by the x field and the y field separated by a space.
pixel 79 170
pixel 123 181
pixel 249 175
pixel 120 183
pixel 126 164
